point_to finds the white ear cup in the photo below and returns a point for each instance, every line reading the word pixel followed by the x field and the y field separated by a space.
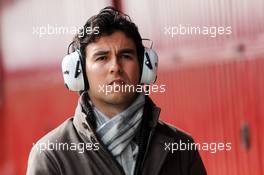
pixel 150 66
pixel 72 72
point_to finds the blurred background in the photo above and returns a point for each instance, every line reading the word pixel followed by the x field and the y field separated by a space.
pixel 214 83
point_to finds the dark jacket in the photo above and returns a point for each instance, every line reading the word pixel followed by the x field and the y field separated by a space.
pixel 62 152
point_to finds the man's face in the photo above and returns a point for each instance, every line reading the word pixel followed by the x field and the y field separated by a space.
pixel 112 60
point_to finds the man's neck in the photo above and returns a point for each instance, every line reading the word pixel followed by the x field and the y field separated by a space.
pixel 109 109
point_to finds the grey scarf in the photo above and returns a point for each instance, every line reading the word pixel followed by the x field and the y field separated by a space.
pixel 117 133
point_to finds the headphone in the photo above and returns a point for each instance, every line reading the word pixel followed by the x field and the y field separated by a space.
pixel 74 75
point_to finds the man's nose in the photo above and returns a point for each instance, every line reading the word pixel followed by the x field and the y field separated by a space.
pixel 116 66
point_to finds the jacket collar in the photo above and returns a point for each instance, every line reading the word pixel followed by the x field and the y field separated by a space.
pixel 155 146
pixel 83 122
pixel 83 128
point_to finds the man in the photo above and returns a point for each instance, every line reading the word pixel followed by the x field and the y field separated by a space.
pixel 116 133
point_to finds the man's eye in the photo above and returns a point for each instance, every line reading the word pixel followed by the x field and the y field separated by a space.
pixel 101 58
pixel 126 56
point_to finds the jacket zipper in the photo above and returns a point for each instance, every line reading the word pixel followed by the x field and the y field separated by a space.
pixel 139 167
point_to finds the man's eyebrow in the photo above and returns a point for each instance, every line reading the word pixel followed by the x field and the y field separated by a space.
pixel 101 52
pixel 127 50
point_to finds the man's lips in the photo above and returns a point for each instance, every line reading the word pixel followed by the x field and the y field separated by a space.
pixel 118 82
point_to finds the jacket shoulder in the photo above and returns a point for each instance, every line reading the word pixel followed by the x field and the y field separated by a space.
pixel 181 155
pixel 40 160
pixel 60 133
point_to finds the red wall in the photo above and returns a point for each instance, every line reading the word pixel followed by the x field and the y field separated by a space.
pixel 2 116
pixel 212 101
pixel 35 103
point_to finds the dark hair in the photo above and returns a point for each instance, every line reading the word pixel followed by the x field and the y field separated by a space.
pixel 107 21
